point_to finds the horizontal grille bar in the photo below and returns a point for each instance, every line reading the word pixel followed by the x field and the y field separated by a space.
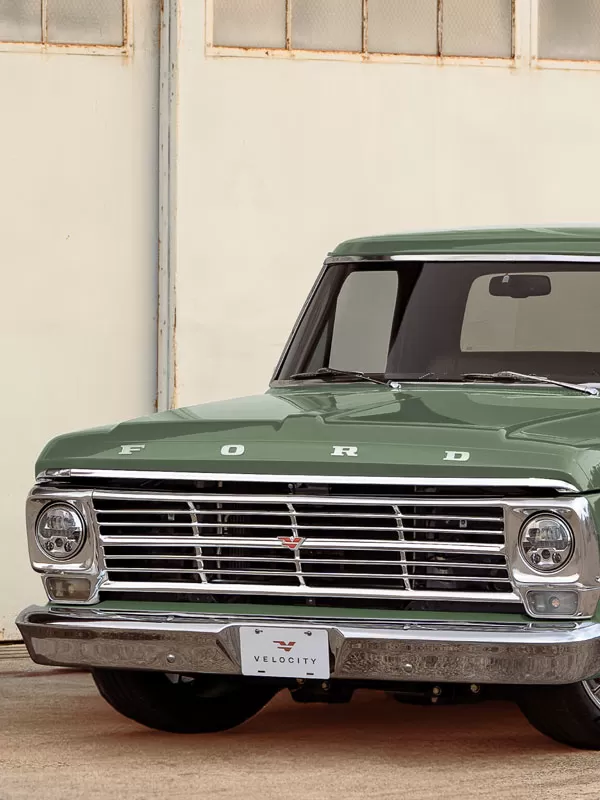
pixel 303 591
pixel 299 499
pixel 334 544
pixel 269 559
pixel 244 526
pixel 325 514
pixel 305 574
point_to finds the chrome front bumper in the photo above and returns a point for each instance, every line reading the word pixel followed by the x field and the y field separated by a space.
pixel 458 652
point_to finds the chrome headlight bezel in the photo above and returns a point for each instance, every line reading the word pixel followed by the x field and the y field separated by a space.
pixel 62 545
pixel 546 563
pixel 86 562
pixel 86 559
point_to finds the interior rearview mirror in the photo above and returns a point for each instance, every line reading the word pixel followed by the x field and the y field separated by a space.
pixel 519 286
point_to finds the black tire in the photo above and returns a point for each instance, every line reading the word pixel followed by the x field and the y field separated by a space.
pixel 568 714
pixel 182 704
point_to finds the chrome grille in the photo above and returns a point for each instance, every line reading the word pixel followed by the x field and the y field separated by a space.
pixel 315 544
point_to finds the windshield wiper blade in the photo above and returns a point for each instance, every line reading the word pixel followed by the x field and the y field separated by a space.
pixel 323 373
pixel 520 377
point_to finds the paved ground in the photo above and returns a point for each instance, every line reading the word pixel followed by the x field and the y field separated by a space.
pixel 58 739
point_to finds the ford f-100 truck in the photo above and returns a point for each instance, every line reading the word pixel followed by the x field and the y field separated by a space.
pixel 413 506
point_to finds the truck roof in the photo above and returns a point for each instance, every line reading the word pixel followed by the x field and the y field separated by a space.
pixel 568 240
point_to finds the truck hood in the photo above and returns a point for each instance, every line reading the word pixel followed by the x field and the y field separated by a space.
pixel 425 430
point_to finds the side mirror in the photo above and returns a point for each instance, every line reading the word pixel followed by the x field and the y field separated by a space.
pixel 520 286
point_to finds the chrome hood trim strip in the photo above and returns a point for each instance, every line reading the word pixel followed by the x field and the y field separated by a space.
pixel 505 483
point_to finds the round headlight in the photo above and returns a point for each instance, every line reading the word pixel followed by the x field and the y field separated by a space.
pixel 60 531
pixel 546 542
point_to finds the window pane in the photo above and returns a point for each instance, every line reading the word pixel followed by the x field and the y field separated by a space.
pixel 477 28
pixel 85 21
pixel 20 21
pixel 403 26
pixel 569 29
pixel 327 24
pixel 530 325
pixel 363 321
pixel 249 23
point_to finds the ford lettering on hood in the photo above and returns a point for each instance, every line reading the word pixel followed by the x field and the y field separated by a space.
pixel 422 430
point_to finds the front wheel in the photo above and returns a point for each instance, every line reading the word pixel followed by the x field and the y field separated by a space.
pixel 568 714
pixel 181 703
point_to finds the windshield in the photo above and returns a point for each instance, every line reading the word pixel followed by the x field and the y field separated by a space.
pixel 438 321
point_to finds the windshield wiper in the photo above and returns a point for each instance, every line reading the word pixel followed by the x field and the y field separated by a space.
pixel 329 372
pixel 520 377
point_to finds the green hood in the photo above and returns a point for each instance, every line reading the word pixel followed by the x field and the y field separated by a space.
pixel 514 432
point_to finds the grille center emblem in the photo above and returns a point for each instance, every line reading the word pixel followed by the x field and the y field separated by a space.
pixel 291 542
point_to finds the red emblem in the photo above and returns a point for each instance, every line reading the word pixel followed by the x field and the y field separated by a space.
pixel 287 646
pixel 292 542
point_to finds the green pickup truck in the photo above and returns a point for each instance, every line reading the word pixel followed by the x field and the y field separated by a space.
pixel 413 506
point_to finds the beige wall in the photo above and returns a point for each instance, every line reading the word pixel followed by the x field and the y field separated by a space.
pixel 279 159
pixel 78 220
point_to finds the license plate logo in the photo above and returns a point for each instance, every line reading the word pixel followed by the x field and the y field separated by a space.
pixel 285 652
pixel 287 646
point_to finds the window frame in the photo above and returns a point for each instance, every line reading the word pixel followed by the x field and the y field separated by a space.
pixel 364 55
pixel 45 46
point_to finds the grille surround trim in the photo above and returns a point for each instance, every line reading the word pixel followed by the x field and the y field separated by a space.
pixel 421 547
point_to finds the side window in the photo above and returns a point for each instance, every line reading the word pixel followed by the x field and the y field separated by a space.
pixel 85 22
pixel 363 321
pixel 20 20
pixel 74 22
pixel 566 320
pixel 327 25
pixel 249 23
pixel 481 28
pixel 569 31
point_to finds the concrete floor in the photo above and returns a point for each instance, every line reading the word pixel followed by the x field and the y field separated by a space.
pixel 59 739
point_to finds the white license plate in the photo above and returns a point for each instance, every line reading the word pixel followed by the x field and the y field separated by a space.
pixel 285 652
